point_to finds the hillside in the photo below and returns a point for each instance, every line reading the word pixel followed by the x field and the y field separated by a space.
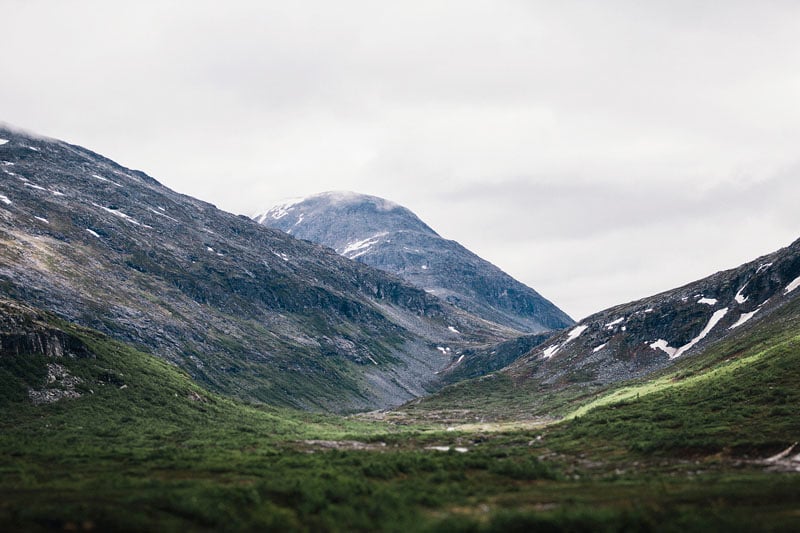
pixel 246 310
pixel 632 340
pixel 136 445
pixel 390 237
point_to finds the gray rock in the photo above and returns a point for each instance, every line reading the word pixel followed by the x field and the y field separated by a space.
pixel 384 235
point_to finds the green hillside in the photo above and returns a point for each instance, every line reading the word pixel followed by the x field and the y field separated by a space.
pixel 144 448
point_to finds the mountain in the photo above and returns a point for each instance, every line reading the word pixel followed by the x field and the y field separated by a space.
pixel 96 434
pixel 634 340
pixel 387 236
pixel 246 310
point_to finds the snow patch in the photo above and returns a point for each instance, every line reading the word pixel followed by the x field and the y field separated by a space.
pixel 5 199
pixel 42 219
pixel 444 350
pixel 571 336
pixel 763 267
pixel 744 318
pixel 280 210
pixel 740 299
pixel 663 345
pixel 454 330
pixel 101 178
pixel 713 321
pixel 56 193
pixel 118 213
pixel 2 142
pixel 460 359
pixel 613 323
pixel 598 348
pixel 792 286
pixel 34 186
pixel 424 267
pixel 551 351
pixel 707 301
pixel 575 333
pixel 361 247
pixel 159 213
pixel 673 353
pixel 94 233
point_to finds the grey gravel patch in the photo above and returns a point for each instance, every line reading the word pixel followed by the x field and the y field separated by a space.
pixel 344 445
pixel 60 385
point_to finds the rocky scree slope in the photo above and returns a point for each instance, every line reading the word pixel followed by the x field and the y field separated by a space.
pixel 387 236
pixel 636 338
pixel 246 310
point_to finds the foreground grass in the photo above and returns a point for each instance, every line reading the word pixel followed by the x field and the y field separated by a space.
pixel 145 448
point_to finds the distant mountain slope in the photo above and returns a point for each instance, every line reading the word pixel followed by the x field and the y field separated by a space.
pixel 634 340
pixel 247 310
pixel 385 235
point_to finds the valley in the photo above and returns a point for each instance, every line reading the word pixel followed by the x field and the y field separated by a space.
pixel 146 448
pixel 167 366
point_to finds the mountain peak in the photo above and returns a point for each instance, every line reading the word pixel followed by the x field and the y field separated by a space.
pixel 358 216
pixel 385 235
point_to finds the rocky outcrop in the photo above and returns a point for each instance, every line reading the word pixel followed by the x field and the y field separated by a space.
pixel 60 385
pixel 23 332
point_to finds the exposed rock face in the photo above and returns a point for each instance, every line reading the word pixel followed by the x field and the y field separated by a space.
pixel 243 308
pixel 25 333
pixel 634 339
pixel 22 332
pixel 387 236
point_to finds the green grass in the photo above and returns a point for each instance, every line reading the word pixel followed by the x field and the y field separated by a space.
pixel 139 451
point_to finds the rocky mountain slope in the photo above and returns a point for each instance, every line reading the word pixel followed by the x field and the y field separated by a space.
pixel 245 309
pixel 633 340
pixel 385 235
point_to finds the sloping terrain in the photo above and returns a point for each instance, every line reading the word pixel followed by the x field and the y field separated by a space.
pixel 245 309
pixel 387 236
pixel 633 340
pixel 138 446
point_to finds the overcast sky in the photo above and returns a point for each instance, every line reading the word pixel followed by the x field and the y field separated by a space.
pixel 598 151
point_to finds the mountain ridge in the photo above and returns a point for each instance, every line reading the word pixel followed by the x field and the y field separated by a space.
pixel 630 341
pixel 245 309
pixel 385 235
